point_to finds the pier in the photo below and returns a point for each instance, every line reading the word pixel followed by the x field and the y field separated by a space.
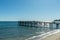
pixel 27 23
pixel 34 23
pixel 53 25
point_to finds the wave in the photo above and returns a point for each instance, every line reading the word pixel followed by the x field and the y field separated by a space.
pixel 40 37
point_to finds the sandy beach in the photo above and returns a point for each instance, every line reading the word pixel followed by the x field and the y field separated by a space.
pixel 53 37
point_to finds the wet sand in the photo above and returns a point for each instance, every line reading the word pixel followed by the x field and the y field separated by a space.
pixel 53 37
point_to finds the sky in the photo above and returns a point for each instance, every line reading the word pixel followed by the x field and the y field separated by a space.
pixel 35 10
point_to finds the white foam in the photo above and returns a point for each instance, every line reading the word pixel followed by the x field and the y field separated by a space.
pixel 39 37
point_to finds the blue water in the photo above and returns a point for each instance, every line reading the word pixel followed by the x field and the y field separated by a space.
pixel 10 30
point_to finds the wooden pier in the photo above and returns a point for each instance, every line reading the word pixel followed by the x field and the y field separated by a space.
pixel 34 23
pixel 51 25
pixel 27 23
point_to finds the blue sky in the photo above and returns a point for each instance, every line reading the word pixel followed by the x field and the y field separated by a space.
pixel 41 10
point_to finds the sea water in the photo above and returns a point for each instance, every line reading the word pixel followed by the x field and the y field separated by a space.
pixel 10 30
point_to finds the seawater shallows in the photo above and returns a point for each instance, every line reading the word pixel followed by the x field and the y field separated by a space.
pixel 10 30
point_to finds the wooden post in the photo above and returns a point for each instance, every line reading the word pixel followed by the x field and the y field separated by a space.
pixel 57 26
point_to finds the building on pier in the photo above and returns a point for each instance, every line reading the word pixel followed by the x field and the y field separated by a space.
pixel 55 24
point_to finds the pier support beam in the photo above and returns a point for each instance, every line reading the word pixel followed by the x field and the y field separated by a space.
pixel 57 26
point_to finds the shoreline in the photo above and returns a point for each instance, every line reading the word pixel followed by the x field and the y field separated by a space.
pixel 44 35
pixel 52 36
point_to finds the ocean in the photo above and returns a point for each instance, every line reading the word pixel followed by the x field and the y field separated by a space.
pixel 10 30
